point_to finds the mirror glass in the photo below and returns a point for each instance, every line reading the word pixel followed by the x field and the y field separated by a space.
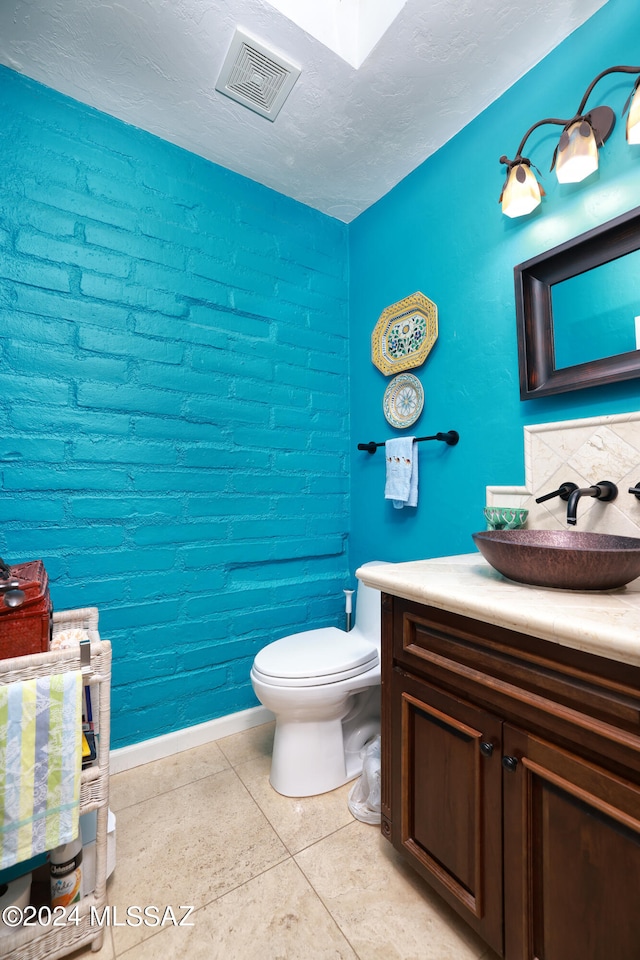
pixel 578 311
pixel 597 314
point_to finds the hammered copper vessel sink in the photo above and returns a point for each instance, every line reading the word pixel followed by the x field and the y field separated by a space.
pixel 568 559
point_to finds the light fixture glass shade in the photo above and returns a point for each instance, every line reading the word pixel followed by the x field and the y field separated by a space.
pixel 577 153
pixel 633 119
pixel 521 194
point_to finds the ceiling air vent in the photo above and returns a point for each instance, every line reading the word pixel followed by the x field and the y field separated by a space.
pixel 255 76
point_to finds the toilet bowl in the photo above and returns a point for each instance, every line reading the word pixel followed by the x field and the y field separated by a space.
pixel 323 686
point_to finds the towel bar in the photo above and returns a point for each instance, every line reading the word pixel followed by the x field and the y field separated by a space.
pixel 451 437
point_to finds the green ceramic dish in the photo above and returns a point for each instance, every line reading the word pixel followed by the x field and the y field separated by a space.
pixel 505 518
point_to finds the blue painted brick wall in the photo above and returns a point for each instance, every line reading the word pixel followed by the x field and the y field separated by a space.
pixel 174 407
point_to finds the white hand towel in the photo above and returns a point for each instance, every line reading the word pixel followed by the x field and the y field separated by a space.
pixel 402 472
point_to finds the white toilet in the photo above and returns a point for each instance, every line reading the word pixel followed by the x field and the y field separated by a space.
pixel 324 688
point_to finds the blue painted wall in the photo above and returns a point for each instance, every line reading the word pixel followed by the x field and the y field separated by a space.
pixel 441 231
pixel 174 403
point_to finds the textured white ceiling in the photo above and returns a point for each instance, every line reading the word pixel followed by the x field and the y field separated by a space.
pixel 345 136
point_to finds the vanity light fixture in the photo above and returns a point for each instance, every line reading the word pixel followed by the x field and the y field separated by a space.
pixel 576 155
pixel 522 192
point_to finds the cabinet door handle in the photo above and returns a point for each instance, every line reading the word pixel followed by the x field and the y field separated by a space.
pixel 510 763
pixel 486 748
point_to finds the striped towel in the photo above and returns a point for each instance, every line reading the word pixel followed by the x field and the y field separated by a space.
pixel 40 765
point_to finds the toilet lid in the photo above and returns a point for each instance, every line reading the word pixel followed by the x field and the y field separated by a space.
pixel 315 656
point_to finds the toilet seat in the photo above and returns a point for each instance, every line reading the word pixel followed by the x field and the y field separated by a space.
pixel 315 657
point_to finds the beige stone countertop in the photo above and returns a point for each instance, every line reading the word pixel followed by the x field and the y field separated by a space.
pixel 605 623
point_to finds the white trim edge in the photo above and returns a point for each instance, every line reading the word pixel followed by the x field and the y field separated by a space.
pixel 125 758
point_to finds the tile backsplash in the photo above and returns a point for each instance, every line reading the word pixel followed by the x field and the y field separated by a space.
pixel 583 452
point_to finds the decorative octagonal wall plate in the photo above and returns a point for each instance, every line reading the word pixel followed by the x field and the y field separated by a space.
pixel 403 400
pixel 404 334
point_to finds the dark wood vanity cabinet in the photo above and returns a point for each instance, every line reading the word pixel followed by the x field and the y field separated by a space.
pixel 511 782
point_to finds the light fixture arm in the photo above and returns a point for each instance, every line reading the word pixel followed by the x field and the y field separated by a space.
pixel 618 69
pixel 602 118
pixel 518 157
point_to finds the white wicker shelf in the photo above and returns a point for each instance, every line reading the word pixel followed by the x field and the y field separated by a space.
pixel 47 942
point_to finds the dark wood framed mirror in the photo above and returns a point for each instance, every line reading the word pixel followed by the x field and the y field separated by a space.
pixel 578 311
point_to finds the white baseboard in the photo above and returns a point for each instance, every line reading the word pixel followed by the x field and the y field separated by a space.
pixel 125 758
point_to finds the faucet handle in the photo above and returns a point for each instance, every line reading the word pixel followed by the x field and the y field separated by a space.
pixel 635 490
pixel 564 492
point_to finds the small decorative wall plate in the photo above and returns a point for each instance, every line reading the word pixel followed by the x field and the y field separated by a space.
pixel 403 400
pixel 404 334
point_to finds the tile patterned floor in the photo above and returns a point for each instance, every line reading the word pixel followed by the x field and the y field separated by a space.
pixel 269 877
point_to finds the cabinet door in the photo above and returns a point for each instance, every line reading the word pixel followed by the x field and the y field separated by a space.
pixel 572 856
pixel 446 799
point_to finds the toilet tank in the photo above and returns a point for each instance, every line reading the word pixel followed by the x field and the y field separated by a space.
pixel 367 620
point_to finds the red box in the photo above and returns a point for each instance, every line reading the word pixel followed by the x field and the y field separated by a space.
pixel 27 629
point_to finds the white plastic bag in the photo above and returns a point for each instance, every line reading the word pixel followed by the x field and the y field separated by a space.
pixel 364 796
